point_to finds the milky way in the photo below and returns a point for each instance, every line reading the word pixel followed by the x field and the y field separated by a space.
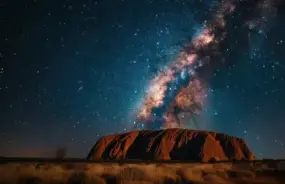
pixel 73 71
pixel 171 83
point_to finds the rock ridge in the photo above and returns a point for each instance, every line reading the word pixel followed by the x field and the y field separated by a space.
pixel 171 144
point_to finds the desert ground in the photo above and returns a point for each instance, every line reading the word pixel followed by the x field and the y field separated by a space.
pixel 267 172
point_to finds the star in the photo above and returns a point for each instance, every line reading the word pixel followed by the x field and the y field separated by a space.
pixel 79 71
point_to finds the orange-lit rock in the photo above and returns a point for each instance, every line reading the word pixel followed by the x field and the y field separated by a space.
pixel 171 144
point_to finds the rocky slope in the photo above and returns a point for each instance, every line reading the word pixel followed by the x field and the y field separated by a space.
pixel 171 144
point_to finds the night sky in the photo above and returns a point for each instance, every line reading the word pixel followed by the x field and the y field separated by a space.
pixel 72 71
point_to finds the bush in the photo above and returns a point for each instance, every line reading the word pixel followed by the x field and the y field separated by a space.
pixel 61 153
pixel 30 180
pixel 76 178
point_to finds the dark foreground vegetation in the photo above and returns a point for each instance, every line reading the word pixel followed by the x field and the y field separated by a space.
pixel 78 171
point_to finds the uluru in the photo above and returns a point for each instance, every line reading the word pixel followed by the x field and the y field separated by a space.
pixel 171 144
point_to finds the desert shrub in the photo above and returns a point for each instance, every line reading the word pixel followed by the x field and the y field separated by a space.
pixel 160 165
pixel 109 178
pixel 93 179
pixel 133 174
pixel 60 153
pixel 222 173
pixel 46 167
pixel 240 174
pixel 38 166
pixel 137 182
pixel 168 180
pixel 281 165
pixel 30 180
pixel 189 175
pixel 68 166
pixel 271 173
pixel 214 178
pixel 76 178
pixel 272 164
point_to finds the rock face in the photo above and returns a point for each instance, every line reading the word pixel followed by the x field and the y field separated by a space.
pixel 171 144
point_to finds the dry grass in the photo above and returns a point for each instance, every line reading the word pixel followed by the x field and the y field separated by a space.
pixel 111 173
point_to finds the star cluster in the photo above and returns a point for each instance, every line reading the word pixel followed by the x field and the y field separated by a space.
pixel 72 71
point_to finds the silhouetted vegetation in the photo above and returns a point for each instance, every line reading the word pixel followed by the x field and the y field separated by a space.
pixel 141 173
pixel 61 153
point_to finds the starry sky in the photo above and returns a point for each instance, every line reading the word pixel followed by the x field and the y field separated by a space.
pixel 72 71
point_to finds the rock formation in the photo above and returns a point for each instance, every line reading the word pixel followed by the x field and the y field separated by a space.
pixel 171 144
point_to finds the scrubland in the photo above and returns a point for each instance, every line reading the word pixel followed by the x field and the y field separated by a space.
pixel 143 173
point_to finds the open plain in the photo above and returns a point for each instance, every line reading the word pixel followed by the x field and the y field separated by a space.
pixel 36 171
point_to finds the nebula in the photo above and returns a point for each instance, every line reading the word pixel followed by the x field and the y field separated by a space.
pixel 177 88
